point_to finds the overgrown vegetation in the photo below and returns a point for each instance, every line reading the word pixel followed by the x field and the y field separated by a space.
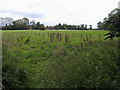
pixel 60 59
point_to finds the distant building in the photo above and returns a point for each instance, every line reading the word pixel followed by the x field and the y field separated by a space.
pixel 119 4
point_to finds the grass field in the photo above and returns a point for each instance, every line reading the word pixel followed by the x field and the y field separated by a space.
pixel 60 59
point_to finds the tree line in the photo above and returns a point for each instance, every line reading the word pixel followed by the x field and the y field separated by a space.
pixel 24 24
pixel 70 27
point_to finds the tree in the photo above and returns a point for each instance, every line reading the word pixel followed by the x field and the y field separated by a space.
pixel 114 20
pixel 82 26
pixel 42 27
pixel 113 23
pixel 6 21
pixel 100 26
pixel 90 27
pixel 20 24
pixel 32 24
pixel 38 25
pixel 25 23
pixel 85 26
pixel 25 20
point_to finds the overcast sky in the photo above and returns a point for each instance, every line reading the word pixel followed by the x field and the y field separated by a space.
pixel 51 12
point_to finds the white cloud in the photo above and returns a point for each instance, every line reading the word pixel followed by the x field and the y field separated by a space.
pixel 55 11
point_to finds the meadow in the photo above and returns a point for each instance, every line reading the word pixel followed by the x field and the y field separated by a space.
pixel 60 59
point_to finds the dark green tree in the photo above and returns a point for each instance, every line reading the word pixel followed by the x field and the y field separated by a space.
pixel 100 26
pixel 90 27
pixel 113 23
pixel 38 26
pixel 42 27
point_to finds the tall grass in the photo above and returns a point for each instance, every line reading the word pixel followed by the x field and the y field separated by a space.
pixel 56 59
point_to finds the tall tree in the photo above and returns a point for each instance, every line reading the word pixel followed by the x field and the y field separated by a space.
pixel 113 23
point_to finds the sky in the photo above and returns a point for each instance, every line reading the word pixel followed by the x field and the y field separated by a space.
pixel 52 12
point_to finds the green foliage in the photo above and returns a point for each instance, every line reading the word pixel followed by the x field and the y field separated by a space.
pixel 20 24
pixel 111 23
pixel 13 74
pixel 71 27
pixel 100 25
pixel 53 59
pixel 24 24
